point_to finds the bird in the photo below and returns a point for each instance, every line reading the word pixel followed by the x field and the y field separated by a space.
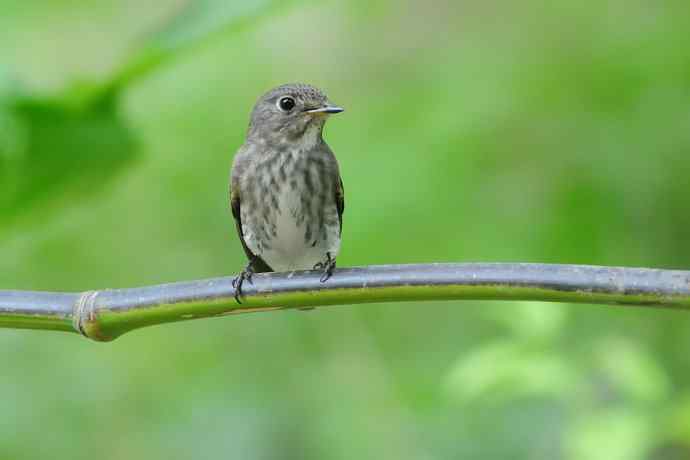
pixel 286 193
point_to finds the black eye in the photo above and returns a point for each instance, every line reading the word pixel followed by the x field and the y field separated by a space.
pixel 286 104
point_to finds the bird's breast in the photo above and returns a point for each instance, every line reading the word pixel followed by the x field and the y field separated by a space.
pixel 292 220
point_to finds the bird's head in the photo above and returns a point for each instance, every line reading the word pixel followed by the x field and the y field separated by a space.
pixel 292 113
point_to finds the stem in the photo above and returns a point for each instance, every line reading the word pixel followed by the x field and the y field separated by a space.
pixel 105 315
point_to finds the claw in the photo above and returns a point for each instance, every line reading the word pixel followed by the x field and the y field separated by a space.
pixel 245 274
pixel 237 285
pixel 328 266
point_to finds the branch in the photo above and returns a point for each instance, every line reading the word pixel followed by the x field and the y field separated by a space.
pixel 107 314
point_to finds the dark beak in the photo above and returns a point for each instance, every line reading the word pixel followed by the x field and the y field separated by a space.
pixel 327 109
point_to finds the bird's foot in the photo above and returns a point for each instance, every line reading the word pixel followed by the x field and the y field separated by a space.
pixel 327 267
pixel 245 274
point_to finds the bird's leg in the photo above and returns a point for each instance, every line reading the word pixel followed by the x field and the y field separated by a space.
pixel 245 274
pixel 327 266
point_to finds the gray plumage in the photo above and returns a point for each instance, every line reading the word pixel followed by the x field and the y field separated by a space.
pixel 286 192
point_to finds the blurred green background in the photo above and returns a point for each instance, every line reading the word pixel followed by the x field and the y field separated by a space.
pixel 474 131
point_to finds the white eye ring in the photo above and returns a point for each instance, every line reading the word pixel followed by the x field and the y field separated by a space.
pixel 286 103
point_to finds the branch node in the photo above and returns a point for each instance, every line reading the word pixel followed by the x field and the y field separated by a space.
pixel 84 313
pixel 106 314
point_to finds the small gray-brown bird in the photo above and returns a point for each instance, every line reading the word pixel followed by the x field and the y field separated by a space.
pixel 286 192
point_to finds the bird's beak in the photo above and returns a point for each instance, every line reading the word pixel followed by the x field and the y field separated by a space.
pixel 328 109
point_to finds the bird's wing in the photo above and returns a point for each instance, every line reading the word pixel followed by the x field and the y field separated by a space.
pixel 340 201
pixel 339 190
pixel 257 262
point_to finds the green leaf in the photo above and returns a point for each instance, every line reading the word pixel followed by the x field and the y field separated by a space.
pixel 194 26
pixel 505 370
pixel 55 151
pixel 203 17
pixel 632 370
pixel 66 147
pixel 529 320
pixel 616 434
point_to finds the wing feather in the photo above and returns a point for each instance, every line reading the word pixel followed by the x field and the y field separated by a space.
pixel 257 262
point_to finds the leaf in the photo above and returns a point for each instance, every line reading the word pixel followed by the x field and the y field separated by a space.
pixel 632 371
pixel 66 147
pixel 54 149
pixel 195 25
pixel 204 17
pixel 507 370
pixel 679 418
pixel 530 320
pixel 614 434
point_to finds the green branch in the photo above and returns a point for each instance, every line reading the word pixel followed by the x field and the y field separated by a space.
pixel 107 314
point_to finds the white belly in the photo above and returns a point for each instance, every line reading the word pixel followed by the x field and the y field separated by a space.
pixel 293 243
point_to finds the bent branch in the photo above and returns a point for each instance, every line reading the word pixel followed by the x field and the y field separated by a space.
pixel 105 315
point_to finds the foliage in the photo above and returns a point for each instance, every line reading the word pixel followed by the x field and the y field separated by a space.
pixel 472 132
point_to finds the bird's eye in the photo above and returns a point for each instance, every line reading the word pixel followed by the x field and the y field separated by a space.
pixel 286 104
